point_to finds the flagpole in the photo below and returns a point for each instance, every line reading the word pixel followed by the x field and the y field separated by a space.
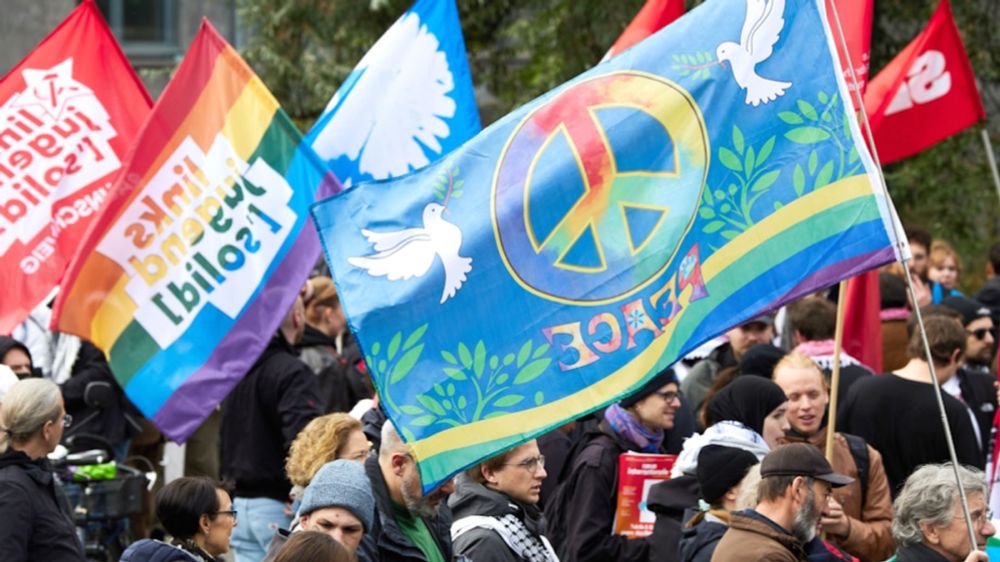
pixel 838 342
pixel 909 284
pixel 985 135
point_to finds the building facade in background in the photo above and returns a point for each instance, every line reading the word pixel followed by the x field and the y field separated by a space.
pixel 154 33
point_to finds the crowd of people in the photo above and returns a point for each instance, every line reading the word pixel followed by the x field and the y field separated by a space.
pixel 299 464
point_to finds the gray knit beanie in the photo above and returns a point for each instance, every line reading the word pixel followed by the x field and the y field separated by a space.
pixel 343 484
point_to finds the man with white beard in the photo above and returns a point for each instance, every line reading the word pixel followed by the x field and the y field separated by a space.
pixel 795 485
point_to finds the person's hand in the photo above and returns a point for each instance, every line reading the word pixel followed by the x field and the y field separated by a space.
pixel 834 521
pixel 288 509
pixel 977 556
pixel 921 291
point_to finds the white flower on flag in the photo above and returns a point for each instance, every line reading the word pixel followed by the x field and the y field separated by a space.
pixel 407 77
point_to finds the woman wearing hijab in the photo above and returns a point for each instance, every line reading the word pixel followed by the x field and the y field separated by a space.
pixel 747 414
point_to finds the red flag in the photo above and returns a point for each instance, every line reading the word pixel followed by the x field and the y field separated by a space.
pixel 926 94
pixel 654 16
pixel 862 322
pixel 856 20
pixel 68 114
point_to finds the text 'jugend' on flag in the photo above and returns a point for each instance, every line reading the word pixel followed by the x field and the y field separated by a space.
pixel 208 242
pixel 68 114
pixel 407 103
pixel 593 237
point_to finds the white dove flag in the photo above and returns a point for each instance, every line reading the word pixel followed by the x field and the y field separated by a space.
pixel 407 103
pixel 583 243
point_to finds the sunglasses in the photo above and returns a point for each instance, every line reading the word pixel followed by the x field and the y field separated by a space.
pixel 979 334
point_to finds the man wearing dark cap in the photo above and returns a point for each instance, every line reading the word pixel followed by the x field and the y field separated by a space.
pixel 974 382
pixel 581 512
pixel 796 482
pixel 741 338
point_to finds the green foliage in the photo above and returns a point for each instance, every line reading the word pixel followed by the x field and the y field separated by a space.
pixel 729 210
pixel 398 361
pixel 479 385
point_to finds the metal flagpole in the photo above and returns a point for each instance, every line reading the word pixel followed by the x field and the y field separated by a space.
pixel 990 157
pixel 909 284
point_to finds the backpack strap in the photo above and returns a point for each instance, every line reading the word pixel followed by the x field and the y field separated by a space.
pixel 859 450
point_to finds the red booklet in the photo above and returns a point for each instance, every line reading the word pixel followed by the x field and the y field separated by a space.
pixel 637 472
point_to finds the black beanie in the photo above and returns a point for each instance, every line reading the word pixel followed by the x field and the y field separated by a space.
pixel 661 379
pixel 760 360
pixel 720 468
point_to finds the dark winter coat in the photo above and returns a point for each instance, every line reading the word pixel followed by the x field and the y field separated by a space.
pixel 917 553
pixel 116 423
pixel 35 524
pixel 980 395
pixel 260 419
pixel 669 500
pixel 485 545
pixel 149 550
pixel 344 382
pixel 751 538
pixel 385 542
pixel 699 542
pixel 582 511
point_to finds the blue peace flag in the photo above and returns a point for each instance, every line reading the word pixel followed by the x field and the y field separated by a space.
pixel 408 102
pixel 594 236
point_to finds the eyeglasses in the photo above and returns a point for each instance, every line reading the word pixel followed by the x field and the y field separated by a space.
pixel 227 512
pixel 669 395
pixel 979 334
pixel 67 420
pixel 531 465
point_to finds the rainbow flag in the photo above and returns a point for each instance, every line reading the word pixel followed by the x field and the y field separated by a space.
pixel 187 274
pixel 593 237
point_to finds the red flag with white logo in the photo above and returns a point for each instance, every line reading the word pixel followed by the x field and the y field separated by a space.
pixel 855 18
pixel 654 16
pixel 68 114
pixel 926 94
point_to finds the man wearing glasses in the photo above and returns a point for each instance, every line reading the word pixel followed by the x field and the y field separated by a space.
pixel 496 509
pixel 582 511
pixel 974 382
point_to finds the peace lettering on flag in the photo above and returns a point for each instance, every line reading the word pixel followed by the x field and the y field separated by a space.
pixel 68 114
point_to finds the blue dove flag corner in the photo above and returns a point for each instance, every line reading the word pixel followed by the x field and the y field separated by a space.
pixel 596 235
pixel 408 102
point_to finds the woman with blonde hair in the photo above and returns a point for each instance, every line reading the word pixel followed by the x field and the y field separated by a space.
pixel 324 439
pixel 943 271
pixel 35 527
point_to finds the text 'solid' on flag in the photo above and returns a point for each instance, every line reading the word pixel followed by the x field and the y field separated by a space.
pixel 190 269
pixel 593 237
pixel 69 112
pixel 926 94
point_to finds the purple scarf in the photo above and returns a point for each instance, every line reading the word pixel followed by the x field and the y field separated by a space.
pixel 628 428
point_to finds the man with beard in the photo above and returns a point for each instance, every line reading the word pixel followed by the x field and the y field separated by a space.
pixel 796 482
pixel 409 525
pixel 930 523
pixel 974 384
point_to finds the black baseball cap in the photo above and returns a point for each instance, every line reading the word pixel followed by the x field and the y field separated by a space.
pixel 801 459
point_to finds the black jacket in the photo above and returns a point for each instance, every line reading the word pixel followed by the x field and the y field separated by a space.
pixel 385 542
pixel 670 500
pixel 117 422
pixel 34 525
pixel 260 419
pixel 485 545
pixel 342 383
pixel 699 542
pixel 148 550
pixel 582 511
pixel 917 553
pixel 980 396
